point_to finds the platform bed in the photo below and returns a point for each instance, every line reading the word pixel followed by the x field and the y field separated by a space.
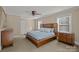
pixel 43 41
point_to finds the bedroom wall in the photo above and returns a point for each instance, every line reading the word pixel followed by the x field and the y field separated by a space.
pixel 71 12
pixel 13 22
pixel 48 19
pixel 75 24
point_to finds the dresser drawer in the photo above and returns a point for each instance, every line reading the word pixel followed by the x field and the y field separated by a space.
pixel 66 37
pixel 70 38
pixel 60 36
pixel 6 38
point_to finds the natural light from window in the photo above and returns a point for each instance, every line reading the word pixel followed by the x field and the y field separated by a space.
pixel 39 23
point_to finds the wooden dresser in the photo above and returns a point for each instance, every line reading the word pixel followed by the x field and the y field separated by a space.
pixel 6 38
pixel 66 38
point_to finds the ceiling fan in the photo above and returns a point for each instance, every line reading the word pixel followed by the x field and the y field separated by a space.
pixel 35 13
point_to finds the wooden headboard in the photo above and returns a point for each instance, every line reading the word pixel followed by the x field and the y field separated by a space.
pixel 50 25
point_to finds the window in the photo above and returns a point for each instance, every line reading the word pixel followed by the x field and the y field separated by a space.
pixel 39 23
pixel 64 24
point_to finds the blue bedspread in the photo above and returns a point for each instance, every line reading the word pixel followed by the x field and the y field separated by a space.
pixel 40 35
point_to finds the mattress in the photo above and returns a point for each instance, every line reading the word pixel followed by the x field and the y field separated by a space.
pixel 40 35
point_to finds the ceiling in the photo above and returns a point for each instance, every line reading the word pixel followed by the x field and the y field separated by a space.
pixel 25 11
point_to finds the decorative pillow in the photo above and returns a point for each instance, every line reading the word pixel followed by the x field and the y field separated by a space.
pixel 52 30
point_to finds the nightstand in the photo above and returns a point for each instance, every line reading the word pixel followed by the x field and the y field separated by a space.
pixel 66 37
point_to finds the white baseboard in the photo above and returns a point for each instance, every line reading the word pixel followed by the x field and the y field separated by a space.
pixel 19 36
pixel 77 42
pixel 0 48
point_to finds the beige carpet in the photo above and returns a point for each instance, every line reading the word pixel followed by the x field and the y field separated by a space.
pixel 24 45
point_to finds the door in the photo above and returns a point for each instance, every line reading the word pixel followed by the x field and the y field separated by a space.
pixel 26 26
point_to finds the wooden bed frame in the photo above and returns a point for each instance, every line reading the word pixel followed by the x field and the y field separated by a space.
pixel 43 41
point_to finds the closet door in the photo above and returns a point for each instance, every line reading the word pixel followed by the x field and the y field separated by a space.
pixel 26 26
pixel 23 25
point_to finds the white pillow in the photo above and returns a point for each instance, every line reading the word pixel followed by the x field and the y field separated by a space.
pixel 41 29
pixel 47 29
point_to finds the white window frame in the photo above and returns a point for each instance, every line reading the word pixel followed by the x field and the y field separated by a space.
pixel 70 23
